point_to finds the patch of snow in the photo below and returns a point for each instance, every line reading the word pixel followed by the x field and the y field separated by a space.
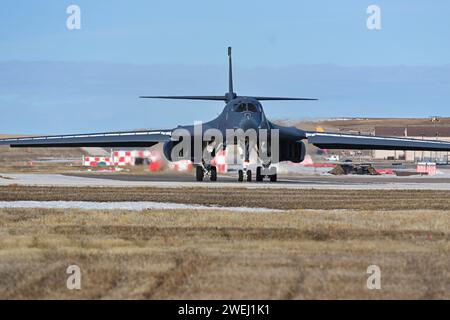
pixel 134 206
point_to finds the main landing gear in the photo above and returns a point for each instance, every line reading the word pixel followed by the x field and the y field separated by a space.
pixel 245 174
pixel 202 171
pixel 260 175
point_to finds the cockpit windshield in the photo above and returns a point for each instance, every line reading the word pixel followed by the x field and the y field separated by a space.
pixel 240 107
pixel 244 106
pixel 251 107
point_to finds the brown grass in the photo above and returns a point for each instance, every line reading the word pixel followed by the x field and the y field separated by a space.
pixel 8 154
pixel 157 254
pixel 229 196
pixel 24 159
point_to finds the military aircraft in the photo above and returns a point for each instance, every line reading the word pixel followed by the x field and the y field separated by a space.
pixel 240 112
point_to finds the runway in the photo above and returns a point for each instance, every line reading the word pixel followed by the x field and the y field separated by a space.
pixel 171 180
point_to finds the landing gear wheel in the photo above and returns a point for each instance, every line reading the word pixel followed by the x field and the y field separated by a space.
pixel 199 173
pixel 240 175
pixel 273 177
pixel 259 177
pixel 213 176
pixel 249 175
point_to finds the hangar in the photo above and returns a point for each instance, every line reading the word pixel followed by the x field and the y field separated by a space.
pixel 441 133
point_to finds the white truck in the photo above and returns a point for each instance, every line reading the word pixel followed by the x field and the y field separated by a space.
pixel 333 157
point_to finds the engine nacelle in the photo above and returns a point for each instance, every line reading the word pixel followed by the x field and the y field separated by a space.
pixel 293 151
pixel 167 149
pixel 185 154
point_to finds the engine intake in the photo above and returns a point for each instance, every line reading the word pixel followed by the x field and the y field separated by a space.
pixel 294 151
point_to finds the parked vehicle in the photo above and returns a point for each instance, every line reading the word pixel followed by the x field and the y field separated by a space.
pixel 333 157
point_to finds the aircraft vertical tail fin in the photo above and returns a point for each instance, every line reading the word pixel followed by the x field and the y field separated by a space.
pixel 230 94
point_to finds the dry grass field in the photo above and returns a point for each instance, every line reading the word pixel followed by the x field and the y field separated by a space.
pixel 285 199
pixel 24 159
pixel 21 155
pixel 318 253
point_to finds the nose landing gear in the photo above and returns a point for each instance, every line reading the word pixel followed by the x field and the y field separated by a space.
pixel 246 173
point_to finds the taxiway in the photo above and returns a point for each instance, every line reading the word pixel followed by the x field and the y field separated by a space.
pixel 176 180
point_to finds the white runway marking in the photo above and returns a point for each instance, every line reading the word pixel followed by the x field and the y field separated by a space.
pixel 134 206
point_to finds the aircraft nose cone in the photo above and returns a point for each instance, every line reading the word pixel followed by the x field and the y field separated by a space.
pixel 248 123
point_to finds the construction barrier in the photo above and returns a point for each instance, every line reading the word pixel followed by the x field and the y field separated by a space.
pixel 182 165
pixel 125 158
pixel 220 161
pixel 97 161
pixel 154 158
pixel 426 167
pixel 155 161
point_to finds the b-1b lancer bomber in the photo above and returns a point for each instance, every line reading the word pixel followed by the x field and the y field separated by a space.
pixel 241 113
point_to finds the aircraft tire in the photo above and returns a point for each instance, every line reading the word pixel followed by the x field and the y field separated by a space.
pixel 199 173
pixel 249 175
pixel 259 177
pixel 213 173
pixel 240 175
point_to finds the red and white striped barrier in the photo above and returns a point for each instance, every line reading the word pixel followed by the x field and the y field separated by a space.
pixel 220 161
pixel 145 154
pixel 127 158
pixel 119 158
pixel 123 158
pixel 427 167
pixel 182 165
pixel 95 161
pixel 155 160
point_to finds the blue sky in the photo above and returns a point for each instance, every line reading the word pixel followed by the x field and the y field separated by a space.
pixel 298 48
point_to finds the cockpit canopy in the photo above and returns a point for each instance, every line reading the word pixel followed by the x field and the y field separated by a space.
pixel 246 107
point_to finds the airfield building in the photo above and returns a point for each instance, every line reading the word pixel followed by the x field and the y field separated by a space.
pixel 416 132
